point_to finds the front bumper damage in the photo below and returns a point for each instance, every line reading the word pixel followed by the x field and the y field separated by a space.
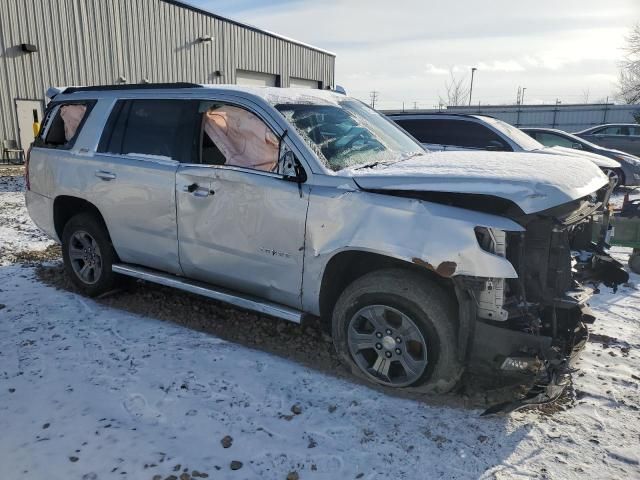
pixel 534 326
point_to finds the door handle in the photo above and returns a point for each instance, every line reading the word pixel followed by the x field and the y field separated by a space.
pixel 106 176
pixel 197 190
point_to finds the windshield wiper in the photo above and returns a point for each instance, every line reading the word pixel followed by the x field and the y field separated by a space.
pixel 370 165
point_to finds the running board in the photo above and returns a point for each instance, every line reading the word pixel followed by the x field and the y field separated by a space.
pixel 206 290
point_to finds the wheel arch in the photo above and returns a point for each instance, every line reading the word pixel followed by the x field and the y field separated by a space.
pixel 65 207
pixel 346 266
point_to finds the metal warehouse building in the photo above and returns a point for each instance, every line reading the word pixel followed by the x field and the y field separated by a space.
pixel 93 42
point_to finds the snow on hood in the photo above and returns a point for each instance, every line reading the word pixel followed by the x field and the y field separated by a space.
pixel 532 181
pixel 599 160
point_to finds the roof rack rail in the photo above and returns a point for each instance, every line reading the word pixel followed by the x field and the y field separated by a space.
pixel 132 86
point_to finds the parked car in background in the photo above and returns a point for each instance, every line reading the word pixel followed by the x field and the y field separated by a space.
pixel 307 203
pixel 629 172
pixel 444 132
pixel 621 136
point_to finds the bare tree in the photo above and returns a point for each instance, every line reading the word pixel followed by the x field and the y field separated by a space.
pixel 585 95
pixel 457 91
pixel 629 79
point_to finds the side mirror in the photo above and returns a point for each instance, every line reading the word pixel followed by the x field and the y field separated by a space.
pixel 291 169
pixel 576 145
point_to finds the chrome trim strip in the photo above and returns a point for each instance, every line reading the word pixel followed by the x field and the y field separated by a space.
pixel 200 288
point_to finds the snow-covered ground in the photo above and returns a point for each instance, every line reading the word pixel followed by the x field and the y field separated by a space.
pixel 90 391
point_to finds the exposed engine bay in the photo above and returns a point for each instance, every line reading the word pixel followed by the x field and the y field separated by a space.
pixel 535 325
pixel 560 259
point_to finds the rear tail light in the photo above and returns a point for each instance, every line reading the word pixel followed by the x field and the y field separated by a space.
pixel 26 169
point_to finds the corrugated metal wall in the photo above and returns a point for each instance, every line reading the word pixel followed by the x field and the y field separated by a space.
pixel 570 118
pixel 91 42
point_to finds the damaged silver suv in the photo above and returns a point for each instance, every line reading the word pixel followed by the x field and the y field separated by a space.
pixel 298 203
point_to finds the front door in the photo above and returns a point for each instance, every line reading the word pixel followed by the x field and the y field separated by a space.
pixel 28 113
pixel 241 225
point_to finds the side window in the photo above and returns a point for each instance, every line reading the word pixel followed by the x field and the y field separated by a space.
pixel 613 130
pixel 62 124
pixel 158 128
pixel 423 130
pixel 551 140
pixel 468 134
pixel 234 136
pixel 459 133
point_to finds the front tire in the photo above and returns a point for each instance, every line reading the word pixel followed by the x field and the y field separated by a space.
pixel 398 329
pixel 88 254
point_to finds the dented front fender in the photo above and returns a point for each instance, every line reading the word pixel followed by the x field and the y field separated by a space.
pixel 437 237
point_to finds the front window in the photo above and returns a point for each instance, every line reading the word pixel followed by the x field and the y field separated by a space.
pixel 348 134
pixel 515 134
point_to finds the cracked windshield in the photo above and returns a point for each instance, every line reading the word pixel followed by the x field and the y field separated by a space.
pixel 349 134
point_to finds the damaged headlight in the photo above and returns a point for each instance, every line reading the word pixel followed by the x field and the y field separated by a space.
pixel 490 299
pixel 492 240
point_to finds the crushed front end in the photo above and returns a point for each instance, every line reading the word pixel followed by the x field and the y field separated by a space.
pixel 535 325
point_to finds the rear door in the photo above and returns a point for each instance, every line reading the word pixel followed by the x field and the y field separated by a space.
pixel 241 224
pixel 134 180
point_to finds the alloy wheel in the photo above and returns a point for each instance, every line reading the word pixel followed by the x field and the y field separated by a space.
pixel 387 345
pixel 85 257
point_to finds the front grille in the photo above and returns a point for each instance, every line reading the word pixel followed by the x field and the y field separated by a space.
pixel 542 258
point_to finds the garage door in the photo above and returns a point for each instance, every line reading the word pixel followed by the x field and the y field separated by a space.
pixel 259 79
pixel 303 83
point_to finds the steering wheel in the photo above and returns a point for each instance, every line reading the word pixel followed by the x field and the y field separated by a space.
pixel 355 136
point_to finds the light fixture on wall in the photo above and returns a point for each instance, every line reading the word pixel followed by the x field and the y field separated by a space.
pixel 122 79
pixel 28 47
pixel 145 80
pixel 205 39
pixel 217 73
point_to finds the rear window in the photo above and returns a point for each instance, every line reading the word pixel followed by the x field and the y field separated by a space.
pixel 62 124
pixel 153 128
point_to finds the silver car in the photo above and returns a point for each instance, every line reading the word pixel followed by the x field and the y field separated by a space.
pixel 627 174
pixel 620 136
pixel 306 203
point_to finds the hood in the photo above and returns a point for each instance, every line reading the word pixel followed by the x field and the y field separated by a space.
pixel 599 160
pixel 532 181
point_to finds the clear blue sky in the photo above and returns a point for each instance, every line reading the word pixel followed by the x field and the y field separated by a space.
pixel 568 49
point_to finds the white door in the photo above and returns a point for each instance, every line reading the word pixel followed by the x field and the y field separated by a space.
pixel 303 83
pixel 29 111
pixel 256 79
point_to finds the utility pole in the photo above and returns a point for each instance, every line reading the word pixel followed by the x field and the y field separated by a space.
pixel 415 105
pixel 473 70
pixel 522 96
pixel 374 96
pixel 518 97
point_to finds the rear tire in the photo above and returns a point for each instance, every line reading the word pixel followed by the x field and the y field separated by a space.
pixel 88 254
pixel 381 318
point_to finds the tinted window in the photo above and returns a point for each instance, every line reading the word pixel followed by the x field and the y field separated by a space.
pixel 553 140
pixel 62 124
pixel 460 133
pixel 163 128
pixel 614 130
